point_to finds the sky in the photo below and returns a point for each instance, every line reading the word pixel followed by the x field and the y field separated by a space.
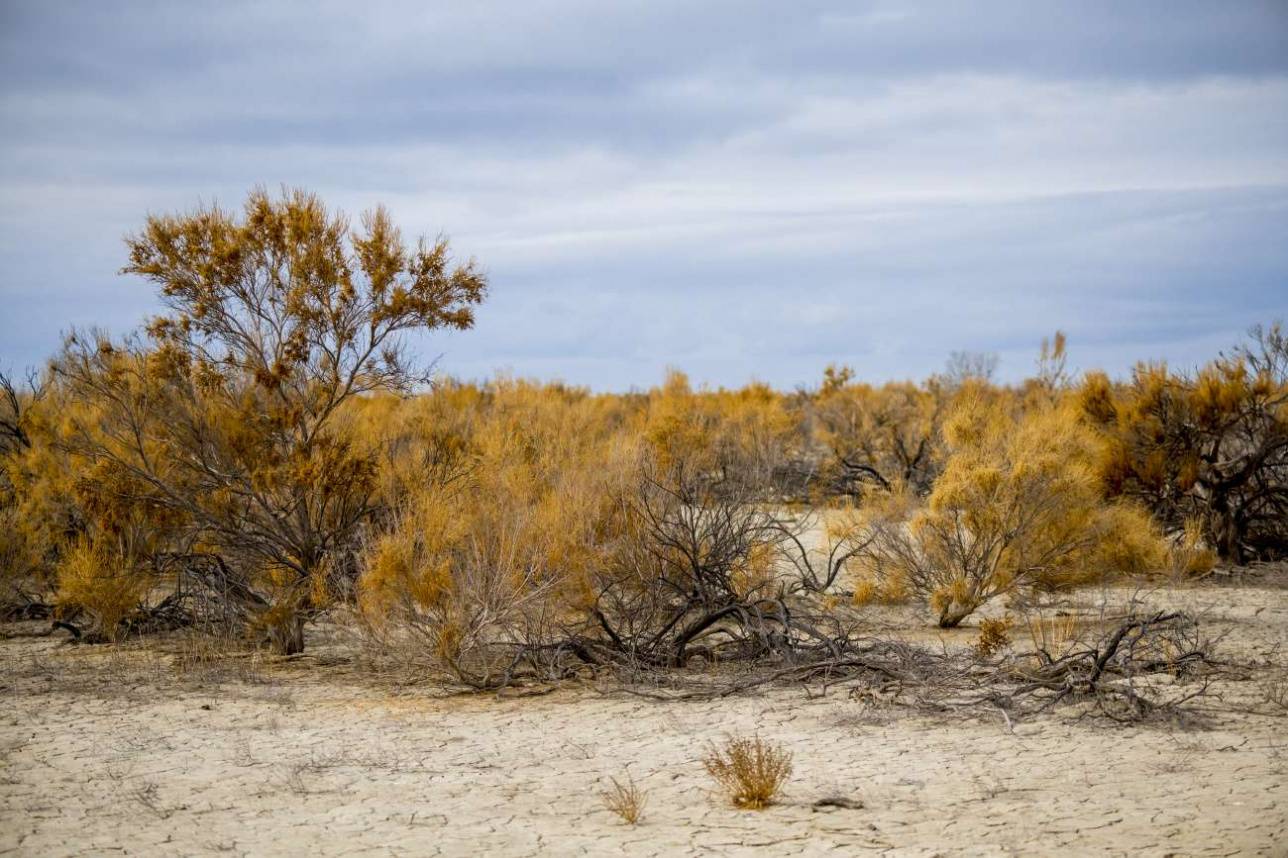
pixel 743 191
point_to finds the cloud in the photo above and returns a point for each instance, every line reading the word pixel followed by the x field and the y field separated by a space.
pixel 740 189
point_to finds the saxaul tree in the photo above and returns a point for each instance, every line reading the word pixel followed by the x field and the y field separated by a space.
pixel 21 543
pixel 1016 507
pixel 1211 447
pixel 881 437
pixel 225 414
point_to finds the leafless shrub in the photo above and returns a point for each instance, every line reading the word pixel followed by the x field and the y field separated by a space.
pixel 147 794
pixel 1274 692
pixel 1111 671
pixel 697 572
pixel 751 771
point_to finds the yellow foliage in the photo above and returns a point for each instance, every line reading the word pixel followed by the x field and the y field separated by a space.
pixel 994 636
pixel 880 436
pixel 1189 556
pixel 104 580
pixel 752 771
pixel 1208 448
pixel 1018 504
pixel 508 546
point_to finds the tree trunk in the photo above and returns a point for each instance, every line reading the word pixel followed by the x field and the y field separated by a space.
pixel 288 637
pixel 952 616
pixel 1225 530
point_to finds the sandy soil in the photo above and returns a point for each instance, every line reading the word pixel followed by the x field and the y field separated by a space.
pixel 106 751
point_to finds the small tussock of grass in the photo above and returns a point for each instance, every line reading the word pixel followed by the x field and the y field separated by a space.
pixel 751 771
pixel 1052 634
pixel 211 658
pixel 626 800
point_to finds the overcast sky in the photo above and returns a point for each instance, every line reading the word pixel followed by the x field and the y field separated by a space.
pixel 741 190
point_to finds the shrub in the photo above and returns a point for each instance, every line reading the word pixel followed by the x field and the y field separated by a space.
pixel 879 437
pixel 1018 505
pixel 1210 446
pixel 1189 555
pixel 103 581
pixel 751 771
pixel 994 636
pixel 227 409
pixel 487 571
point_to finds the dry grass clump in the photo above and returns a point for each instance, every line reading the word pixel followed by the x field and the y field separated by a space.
pixel 626 800
pixel 214 658
pixel 1190 556
pixel 751 771
pixel 1052 634
pixel 994 636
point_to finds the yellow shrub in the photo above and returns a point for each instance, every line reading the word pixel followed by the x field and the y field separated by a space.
pixel 752 771
pixel 994 636
pixel 104 581
pixel 1018 504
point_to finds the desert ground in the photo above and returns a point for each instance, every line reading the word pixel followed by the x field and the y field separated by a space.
pixel 114 750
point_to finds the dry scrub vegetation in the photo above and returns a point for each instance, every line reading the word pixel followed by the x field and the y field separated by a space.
pixel 626 800
pixel 264 460
pixel 751 771
pixel 265 454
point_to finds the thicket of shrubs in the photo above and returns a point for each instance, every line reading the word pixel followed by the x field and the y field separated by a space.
pixel 265 452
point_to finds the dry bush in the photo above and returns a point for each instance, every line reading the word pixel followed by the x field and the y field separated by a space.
pixel 1017 506
pixel 226 410
pixel 694 567
pixel 994 636
pixel 751 771
pixel 1110 670
pixel 1274 692
pixel 1210 446
pixel 555 541
pixel 485 573
pixel 626 800
pixel 104 581
pixel 880 437
pixel 215 658
pixel 21 585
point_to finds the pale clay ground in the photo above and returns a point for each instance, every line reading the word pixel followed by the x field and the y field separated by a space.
pixel 108 752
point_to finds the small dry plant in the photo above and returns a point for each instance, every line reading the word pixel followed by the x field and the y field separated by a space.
pixel 1274 691
pixel 1190 557
pixel 626 800
pixel 1052 634
pixel 994 636
pixel 213 658
pixel 752 771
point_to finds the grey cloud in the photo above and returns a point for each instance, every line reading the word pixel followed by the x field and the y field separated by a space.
pixel 740 189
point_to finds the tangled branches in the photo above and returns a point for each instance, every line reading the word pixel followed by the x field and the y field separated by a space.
pixel 1122 674
pixel 1114 671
